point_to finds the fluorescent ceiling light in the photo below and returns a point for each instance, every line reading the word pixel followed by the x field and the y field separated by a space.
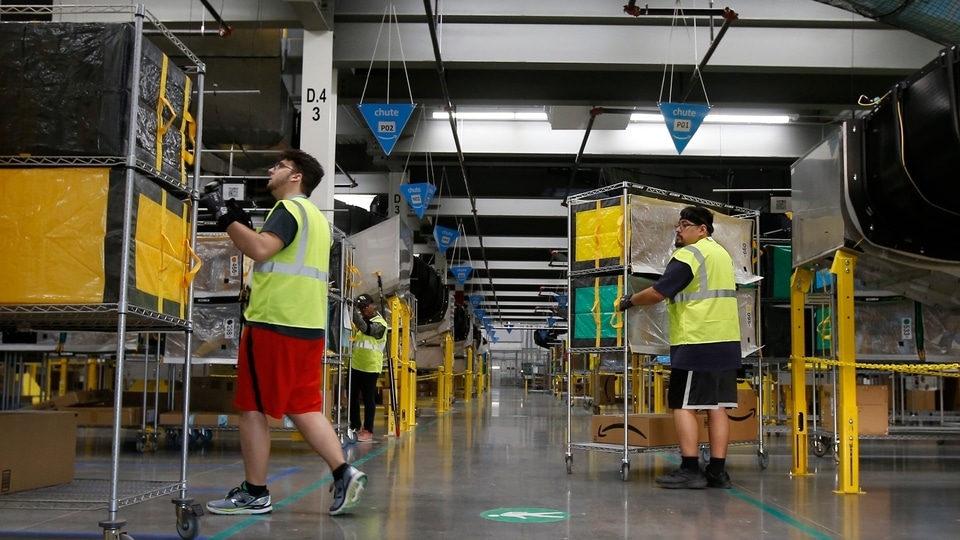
pixel 493 115
pixel 721 118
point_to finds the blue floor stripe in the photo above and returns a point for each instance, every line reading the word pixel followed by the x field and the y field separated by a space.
pixel 227 533
pixel 802 527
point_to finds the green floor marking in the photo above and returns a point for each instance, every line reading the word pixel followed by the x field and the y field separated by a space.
pixel 524 515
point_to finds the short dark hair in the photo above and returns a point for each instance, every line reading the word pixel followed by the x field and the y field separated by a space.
pixel 698 215
pixel 307 165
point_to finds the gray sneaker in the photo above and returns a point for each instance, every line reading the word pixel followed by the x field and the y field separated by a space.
pixel 238 501
pixel 347 490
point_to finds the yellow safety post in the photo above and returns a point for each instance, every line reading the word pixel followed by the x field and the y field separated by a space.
pixel 62 386
pixel 482 379
pixel 848 424
pixel 406 369
pixel 799 286
pixel 441 391
pixel 468 382
pixel 92 379
pixel 448 369
pixel 391 424
pixel 639 398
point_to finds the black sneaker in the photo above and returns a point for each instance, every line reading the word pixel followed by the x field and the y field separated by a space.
pixel 721 480
pixel 682 479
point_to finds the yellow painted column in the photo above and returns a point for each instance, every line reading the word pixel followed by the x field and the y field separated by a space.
pixel 408 394
pixel 468 381
pixel 92 379
pixel 448 369
pixel 799 286
pixel 441 391
pixel 848 424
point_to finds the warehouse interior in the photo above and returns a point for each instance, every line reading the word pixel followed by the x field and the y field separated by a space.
pixel 826 156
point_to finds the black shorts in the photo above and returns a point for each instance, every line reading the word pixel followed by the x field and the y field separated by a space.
pixel 702 389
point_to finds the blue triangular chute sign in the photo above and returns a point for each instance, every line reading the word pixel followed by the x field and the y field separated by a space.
pixel 494 339
pixel 551 321
pixel 562 300
pixel 445 237
pixel 508 326
pixel 683 120
pixel 488 328
pixel 492 333
pixel 461 273
pixel 386 121
pixel 418 196
pixel 479 312
pixel 487 321
pixel 475 300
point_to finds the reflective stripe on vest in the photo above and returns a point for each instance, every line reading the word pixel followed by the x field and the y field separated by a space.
pixel 297 268
pixel 368 350
pixel 290 288
pixel 706 310
pixel 701 278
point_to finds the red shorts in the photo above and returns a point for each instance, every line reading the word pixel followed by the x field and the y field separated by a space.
pixel 278 374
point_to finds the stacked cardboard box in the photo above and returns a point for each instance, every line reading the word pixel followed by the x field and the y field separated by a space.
pixel 873 409
pixel 646 430
pixel 38 449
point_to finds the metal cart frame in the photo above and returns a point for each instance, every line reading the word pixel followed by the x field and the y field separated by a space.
pixel 623 190
pixel 121 316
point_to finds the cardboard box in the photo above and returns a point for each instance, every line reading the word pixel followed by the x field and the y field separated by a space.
pixel 38 449
pixel 645 430
pixel 873 409
pixel 744 421
pixel 605 393
pixel 921 400
pixel 213 394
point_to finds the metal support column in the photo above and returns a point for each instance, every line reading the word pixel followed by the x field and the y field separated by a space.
pixel 848 425
pixel 799 286
pixel 468 381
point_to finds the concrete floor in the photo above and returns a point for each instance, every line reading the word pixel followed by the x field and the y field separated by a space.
pixel 455 473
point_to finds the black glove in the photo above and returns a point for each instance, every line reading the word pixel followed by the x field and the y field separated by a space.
pixel 625 302
pixel 213 202
pixel 225 212
pixel 237 214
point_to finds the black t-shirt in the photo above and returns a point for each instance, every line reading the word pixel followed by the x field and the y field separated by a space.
pixel 721 356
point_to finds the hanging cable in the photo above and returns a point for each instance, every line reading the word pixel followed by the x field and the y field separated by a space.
pixel 448 105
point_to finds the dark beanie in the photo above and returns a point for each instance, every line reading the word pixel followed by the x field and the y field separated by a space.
pixel 698 215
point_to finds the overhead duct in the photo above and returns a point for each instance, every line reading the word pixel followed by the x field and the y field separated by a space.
pixel 936 21
pixel 246 105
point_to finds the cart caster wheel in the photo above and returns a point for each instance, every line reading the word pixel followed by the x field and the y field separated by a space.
pixel 763 459
pixel 705 454
pixel 141 444
pixel 625 472
pixel 350 437
pixel 569 462
pixel 819 449
pixel 190 527
pixel 125 536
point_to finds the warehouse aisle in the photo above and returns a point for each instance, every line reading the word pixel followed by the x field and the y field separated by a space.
pixel 494 468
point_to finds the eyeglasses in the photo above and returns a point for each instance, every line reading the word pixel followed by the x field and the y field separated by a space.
pixel 684 224
pixel 282 165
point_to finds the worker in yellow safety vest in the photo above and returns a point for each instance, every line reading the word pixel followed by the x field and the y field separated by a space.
pixel 699 287
pixel 366 364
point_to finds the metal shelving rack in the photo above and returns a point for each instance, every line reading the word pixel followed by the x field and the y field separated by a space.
pixel 624 190
pixel 119 316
